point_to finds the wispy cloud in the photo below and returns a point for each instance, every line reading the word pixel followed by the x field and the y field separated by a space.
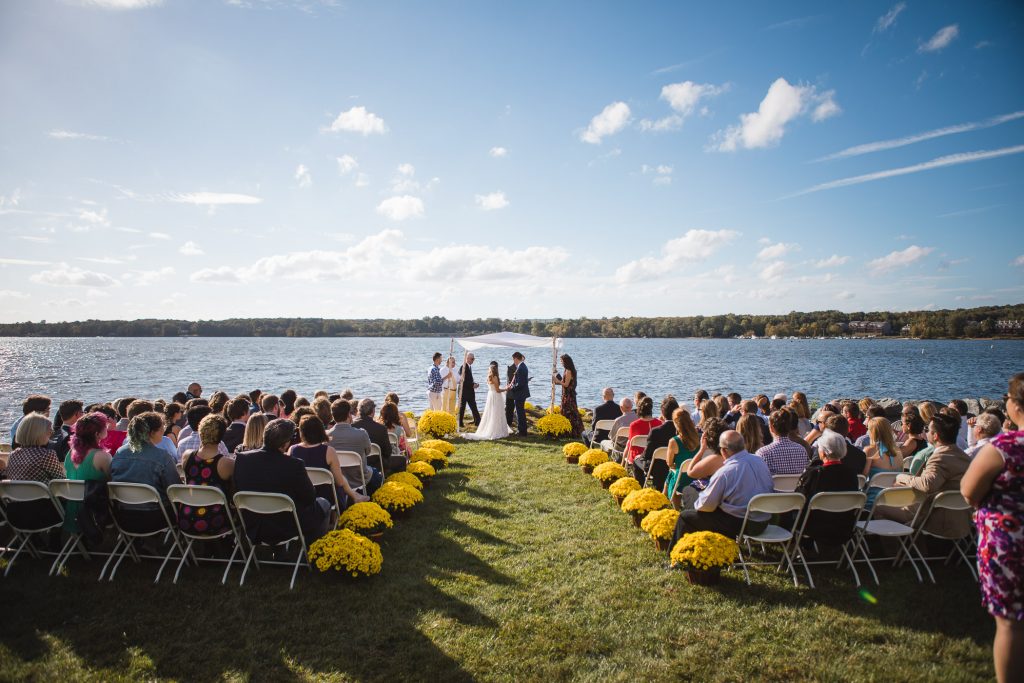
pixel 610 121
pixel 941 40
pixel 358 120
pixel 886 21
pixel 61 134
pixel 686 64
pixel 692 247
pixel 796 22
pixel 69 276
pixel 302 176
pixel 498 152
pixel 941 162
pixel 832 261
pixel 782 104
pixel 401 208
pixel 882 145
pixel 22 262
pixel 492 201
pixel 120 4
pixel 899 259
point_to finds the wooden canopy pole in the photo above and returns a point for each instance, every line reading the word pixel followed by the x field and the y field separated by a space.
pixel 554 369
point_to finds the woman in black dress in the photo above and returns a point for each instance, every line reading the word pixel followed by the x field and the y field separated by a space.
pixel 568 383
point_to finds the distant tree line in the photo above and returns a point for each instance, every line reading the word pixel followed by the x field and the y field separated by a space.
pixel 986 321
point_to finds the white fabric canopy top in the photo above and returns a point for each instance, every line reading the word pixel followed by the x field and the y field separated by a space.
pixel 509 340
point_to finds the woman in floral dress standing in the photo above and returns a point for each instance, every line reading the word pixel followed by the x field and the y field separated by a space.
pixel 568 383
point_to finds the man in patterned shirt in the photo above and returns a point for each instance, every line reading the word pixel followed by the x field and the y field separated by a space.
pixel 782 455
pixel 434 383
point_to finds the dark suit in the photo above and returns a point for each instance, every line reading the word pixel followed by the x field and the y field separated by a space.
pixel 234 435
pixel 658 438
pixel 268 472
pixel 830 528
pixel 510 405
pixel 520 391
pixel 609 410
pixel 378 434
pixel 468 395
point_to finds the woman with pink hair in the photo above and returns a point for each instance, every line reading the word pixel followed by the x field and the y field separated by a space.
pixel 86 461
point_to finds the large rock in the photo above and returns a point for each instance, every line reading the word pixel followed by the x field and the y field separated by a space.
pixel 973 405
pixel 892 407
pixel 992 403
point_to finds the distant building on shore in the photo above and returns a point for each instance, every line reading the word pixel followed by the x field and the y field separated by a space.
pixel 1009 326
pixel 870 327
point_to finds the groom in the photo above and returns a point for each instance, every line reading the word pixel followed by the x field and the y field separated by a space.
pixel 519 390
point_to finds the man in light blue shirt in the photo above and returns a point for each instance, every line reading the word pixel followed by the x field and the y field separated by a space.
pixel 723 504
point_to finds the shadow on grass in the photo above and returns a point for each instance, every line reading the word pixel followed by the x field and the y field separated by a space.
pixel 200 630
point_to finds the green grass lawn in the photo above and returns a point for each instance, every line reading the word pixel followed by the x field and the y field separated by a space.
pixel 516 567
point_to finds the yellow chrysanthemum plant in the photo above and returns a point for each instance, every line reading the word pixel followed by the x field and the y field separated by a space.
pixel 347 552
pixel 422 470
pixel 436 424
pixel 552 425
pixel 639 503
pixel 591 459
pixel 703 555
pixel 572 451
pixel 608 473
pixel 622 487
pixel 661 525
pixel 396 498
pixel 434 458
pixel 445 448
pixel 527 405
pixel 367 518
pixel 407 478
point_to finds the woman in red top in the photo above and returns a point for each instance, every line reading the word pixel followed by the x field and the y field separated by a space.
pixel 642 426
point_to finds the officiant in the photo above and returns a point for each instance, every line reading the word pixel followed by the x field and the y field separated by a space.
pixel 468 391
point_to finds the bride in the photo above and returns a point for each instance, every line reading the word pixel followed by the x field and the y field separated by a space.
pixel 492 424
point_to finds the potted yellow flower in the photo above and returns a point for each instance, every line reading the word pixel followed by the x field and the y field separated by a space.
pixel 639 503
pixel 440 445
pixel 622 487
pixel 572 451
pixel 396 498
pixel 608 473
pixel 344 551
pixel 436 459
pixel 407 478
pixel 436 423
pixel 591 459
pixel 553 425
pixel 703 555
pixel 423 471
pixel 368 519
pixel 661 525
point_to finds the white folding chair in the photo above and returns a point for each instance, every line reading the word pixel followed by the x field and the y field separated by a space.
pixel 353 459
pixel 954 502
pixel 181 470
pixel 621 436
pixel 318 476
pixel 600 426
pixel 638 441
pixel 785 483
pixel 123 497
pixel 898 496
pixel 393 440
pixel 836 502
pixel 883 480
pixel 376 453
pixel 30 509
pixel 270 504
pixel 68 491
pixel 772 504
pixel 861 482
pixel 205 497
pixel 659 454
pixel 683 466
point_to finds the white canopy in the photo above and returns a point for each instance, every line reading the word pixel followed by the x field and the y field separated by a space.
pixel 509 340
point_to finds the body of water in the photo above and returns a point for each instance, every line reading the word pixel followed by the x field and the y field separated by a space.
pixel 103 369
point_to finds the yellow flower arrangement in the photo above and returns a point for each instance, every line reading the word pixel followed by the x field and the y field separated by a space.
pixel 623 487
pixel 574 449
pixel 557 410
pixel 437 423
pixel 346 551
pixel 429 455
pixel 554 425
pixel 407 478
pixel 593 458
pixel 422 470
pixel 704 550
pixel 582 411
pixel 643 501
pixel 365 518
pixel 440 445
pixel 660 524
pixel 409 413
pixel 395 497
pixel 609 472
pixel 527 405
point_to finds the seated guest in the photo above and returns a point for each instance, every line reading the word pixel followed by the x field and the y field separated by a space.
pixel 314 450
pixel 641 426
pixel 345 437
pixel 34 459
pixel 699 397
pixel 749 426
pixel 851 411
pixel 207 466
pixel 722 506
pixel 942 472
pixel 288 399
pixel 872 411
pixel 33 404
pixel 681 447
pixel 708 409
pixel 193 441
pixel 658 438
pixel 271 406
pixel 883 455
pixel 828 473
pixel 254 401
pixel 799 401
pixel 732 416
pixel 253 439
pixel 379 435
pixel 984 427
pixel 782 455
pixel 141 461
pixel 613 444
pixel 67 415
pixel 139 406
pixel 794 428
pixel 218 400
pixel 173 412
pixel 855 458
pixel 609 410
pixel 86 461
pixel 392 397
pixel 704 464
pixel 391 419
pixel 270 470
pixel 960 407
pixel 322 408
pixel 237 412
pixel 195 390
pixel 751 408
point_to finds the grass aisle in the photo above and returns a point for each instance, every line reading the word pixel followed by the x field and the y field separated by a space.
pixel 517 567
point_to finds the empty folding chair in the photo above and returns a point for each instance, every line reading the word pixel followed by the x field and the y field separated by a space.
pixel 68 491
pixel 393 440
pixel 352 459
pixel 831 502
pixel 600 426
pixel 30 510
pixel 321 477
pixel 269 504
pixel 772 504
pixel 899 496
pixel 375 453
pixel 785 483
pixel 205 497
pixel 883 480
pixel 952 501
pixel 138 512
pixel 659 454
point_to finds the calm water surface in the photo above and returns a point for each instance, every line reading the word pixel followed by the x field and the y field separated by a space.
pixel 94 369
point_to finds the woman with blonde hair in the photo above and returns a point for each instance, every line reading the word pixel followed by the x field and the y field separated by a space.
pixel 750 427
pixel 392 397
pixel 34 460
pixel 252 440
pixel 882 452
pixel 681 447
pixel 708 410
pixel 206 466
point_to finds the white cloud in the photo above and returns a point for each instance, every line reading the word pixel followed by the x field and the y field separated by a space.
pixel 941 40
pixel 407 170
pixel 1019 261
pixel 22 262
pixel 670 122
pixel 404 181
pixel 160 235
pixel 492 201
pixel 662 180
pixel 362 180
pixel 303 176
pixel 61 134
pixel 401 208
pixel 221 275
pixel 145 278
pixel 662 173
pixel 347 164
pixel 949 160
pixel 899 259
pixel 69 276
pixel 106 260
pixel 832 261
pixel 610 121
pixel 211 198
pixel 692 247
pixel 684 97
pixel 190 248
pixel 358 120
pixel 845 295
pixel 774 271
pixel 775 251
pixel 94 217
pixel 35 238
pixel 12 294
pixel 883 145
pixel 886 21
pixel 782 104
pixel 12 200
pixel 120 4
pixel 498 152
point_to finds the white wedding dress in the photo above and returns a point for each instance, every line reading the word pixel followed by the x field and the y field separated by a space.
pixel 492 424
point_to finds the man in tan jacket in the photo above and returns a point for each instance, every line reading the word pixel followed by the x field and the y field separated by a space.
pixel 943 471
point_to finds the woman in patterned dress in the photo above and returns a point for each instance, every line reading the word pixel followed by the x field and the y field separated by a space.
pixel 994 484
pixel 568 383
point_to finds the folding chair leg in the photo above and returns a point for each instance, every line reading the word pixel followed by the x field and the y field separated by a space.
pixel 237 547
pixel 10 564
pixel 65 553
pixel 295 572
pixel 967 561
pixel 176 543
pixel 113 554
pixel 129 547
pixel 789 560
pixel 853 567
pixel 743 564
pixel 864 553
pixel 248 561
pixel 184 557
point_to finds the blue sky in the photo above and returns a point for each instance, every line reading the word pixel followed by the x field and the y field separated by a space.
pixel 213 159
